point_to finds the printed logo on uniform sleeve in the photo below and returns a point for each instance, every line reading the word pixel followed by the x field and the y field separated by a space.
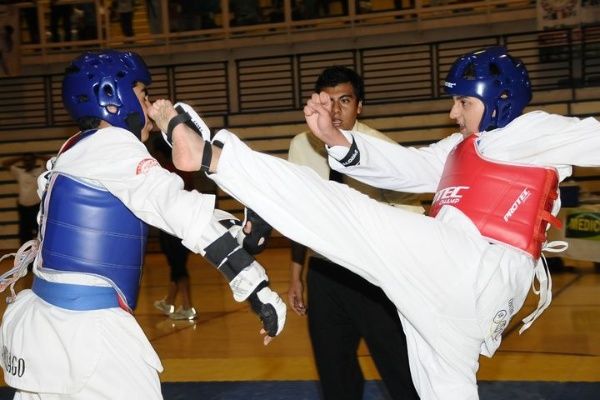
pixel 353 156
pixel 13 365
pixel 145 165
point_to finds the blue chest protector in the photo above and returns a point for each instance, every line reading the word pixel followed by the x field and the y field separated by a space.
pixel 88 230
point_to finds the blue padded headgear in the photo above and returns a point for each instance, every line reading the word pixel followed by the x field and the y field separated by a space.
pixel 498 80
pixel 95 80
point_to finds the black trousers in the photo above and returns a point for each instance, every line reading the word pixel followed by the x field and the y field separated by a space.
pixel 342 309
pixel 176 253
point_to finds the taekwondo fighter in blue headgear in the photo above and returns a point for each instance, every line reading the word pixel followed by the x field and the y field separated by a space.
pixel 500 81
pixel 73 334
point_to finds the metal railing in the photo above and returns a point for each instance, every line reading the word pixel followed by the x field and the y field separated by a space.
pixel 94 22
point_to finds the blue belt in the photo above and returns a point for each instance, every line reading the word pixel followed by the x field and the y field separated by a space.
pixel 75 297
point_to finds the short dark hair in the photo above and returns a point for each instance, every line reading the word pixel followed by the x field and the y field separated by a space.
pixel 337 74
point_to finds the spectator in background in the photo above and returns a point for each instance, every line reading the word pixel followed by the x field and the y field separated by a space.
pixel 87 25
pixel 6 47
pixel 277 14
pixel 175 252
pixel 245 12
pixel 188 15
pixel 28 201
pixel 174 13
pixel 315 8
pixel 362 6
pixel 154 13
pixel 343 307
pixel 60 14
pixel 399 4
pixel 30 16
pixel 125 11
pixel 194 15
pixel 208 10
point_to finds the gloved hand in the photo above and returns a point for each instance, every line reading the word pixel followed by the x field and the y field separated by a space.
pixel 270 309
pixel 195 122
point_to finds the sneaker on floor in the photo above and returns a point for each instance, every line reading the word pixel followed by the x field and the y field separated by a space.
pixel 190 314
pixel 164 307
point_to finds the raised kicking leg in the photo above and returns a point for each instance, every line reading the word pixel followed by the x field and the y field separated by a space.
pixel 428 268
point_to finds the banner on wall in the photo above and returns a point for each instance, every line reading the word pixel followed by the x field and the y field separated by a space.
pixel 583 225
pixel 553 14
pixel 581 229
pixel 9 41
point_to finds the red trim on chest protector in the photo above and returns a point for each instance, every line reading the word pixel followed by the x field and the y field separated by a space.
pixel 509 203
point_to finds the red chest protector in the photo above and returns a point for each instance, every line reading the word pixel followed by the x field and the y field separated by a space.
pixel 509 203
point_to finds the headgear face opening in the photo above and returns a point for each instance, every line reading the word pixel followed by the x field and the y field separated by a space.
pixel 96 80
pixel 498 80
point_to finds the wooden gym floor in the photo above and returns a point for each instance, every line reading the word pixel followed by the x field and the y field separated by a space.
pixel 223 344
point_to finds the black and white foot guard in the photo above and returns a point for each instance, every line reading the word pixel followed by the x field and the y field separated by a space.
pixel 187 115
